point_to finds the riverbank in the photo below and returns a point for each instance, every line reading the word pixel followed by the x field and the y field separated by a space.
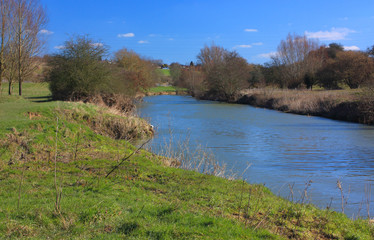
pixel 64 175
pixel 344 105
pixel 166 90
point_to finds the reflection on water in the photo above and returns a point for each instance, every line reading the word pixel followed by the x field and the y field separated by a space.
pixel 281 148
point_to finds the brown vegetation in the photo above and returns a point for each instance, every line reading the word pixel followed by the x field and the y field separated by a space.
pixel 340 104
pixel 110 122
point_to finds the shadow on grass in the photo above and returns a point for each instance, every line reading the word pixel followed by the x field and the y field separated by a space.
pixel 40 99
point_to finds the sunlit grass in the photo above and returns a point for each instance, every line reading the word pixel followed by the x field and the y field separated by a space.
pixel 166 89
pixel 163 72
pixel 142 199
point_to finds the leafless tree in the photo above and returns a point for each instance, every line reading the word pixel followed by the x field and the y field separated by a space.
pixel 211 56
pixel 27 19
pixel 4 35
pixel 293 59
pixel 10 60
pixel 225 72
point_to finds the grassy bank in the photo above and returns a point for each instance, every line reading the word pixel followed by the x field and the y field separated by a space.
pixel 346 105
pixel 166 90
pixel 163 72
pixel 67 173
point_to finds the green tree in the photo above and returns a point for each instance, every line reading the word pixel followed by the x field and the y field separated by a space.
pixel 370 51
pixel 333 49
pixel 79 70
pixel 175 73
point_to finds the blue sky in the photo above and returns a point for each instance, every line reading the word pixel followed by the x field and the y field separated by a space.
pixel 176 30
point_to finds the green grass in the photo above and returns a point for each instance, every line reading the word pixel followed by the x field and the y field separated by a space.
pixel 166 89
pixel 142 199
pixel 163 72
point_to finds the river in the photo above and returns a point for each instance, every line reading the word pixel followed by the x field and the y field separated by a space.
pixel 284 151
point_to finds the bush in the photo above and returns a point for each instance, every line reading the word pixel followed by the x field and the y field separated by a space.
pixel 79 70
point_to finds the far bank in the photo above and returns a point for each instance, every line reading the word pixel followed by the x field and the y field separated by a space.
pixel 344 105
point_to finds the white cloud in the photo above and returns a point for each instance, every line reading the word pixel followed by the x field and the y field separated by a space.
pixel 250 30
pixel 267 55
pixel 59 47
pixel 97 44
pixel 126 35
pixel 46 32
pixel 143 42
pixel 242 46
pixel 171 39
pixel 333 35
pixel 258 44
pixel 351 48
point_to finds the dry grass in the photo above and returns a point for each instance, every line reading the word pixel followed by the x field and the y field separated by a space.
pixel 182 154
pixel 302 100
pixel 346 105
pixel 109 121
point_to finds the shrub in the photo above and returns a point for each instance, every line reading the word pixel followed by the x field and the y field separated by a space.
pixel 79 70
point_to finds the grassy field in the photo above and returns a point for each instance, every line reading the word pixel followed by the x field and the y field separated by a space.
pixel 55 158
pixel 164 72
pixel 161 89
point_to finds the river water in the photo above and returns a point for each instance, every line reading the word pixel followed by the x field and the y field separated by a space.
pixel 284 151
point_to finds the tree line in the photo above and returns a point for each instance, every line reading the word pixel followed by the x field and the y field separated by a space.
pixel 21 22
pixel 300 63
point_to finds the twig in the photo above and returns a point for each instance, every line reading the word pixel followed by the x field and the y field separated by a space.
pixel 20 184
pixel 241 198
pixel 125 158
pixel 58 193
pixel 339 184
pixel 368 198
pixel 141 210
pixel 76 145
pixel 291 189
pixel 249 201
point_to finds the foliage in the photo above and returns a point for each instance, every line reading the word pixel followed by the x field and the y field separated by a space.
pixel 334 49
pixel 161 89
pixel 370 51
pixel 348 67
pixel 138 71
pixel 257 77
pixel 79 70
pixel 175 73
pixel 354 68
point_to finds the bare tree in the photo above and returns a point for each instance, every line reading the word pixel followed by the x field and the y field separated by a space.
pixel 28 17
pixel 225 72
pixel 10 59
pixel 211 56
pixel 4 28
pixel 293 61
pixel 139 70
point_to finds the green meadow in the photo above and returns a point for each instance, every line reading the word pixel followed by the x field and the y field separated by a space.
pixel 67 173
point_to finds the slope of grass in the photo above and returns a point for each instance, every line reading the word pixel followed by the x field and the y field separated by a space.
pixel 54 183
pixel 161 89
pixel 163 72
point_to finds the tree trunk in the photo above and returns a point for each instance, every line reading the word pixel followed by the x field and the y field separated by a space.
pixel 10 88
